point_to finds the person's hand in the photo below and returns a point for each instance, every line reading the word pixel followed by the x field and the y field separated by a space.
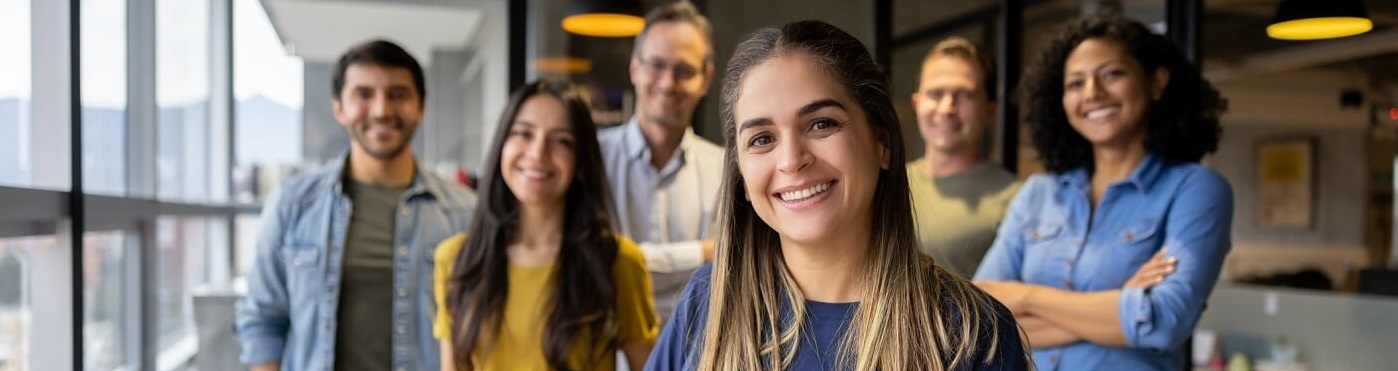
pixel 274 366
pixel 1154 271
pixel 1014 295
pixel 708 246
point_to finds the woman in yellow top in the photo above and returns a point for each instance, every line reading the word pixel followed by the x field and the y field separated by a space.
pixel 543 283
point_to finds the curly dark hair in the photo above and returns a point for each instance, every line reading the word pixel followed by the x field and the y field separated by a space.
pixel 1183 124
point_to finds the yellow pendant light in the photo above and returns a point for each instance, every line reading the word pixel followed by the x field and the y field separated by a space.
pixel 562 65
pixel 1319 19
pixel 604 18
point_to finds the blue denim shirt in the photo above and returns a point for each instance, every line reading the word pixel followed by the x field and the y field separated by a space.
pixel 289 313
pixel 1052 237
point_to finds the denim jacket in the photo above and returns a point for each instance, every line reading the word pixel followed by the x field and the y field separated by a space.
pixel 289 313
pixel 1053 237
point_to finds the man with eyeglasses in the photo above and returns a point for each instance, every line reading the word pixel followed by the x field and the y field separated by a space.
pixel 664 178
pixel 959 197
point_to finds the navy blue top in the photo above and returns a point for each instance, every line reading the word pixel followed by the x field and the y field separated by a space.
pixel 822 332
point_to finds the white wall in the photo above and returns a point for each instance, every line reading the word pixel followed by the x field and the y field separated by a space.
pixel 493 60
pixel 1304 103
pixel 1332 331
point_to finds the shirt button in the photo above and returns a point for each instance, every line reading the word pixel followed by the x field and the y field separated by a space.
pixel 402 250
pixel 402 329
pixel 402 292
pixel 403 211
pixel 402 369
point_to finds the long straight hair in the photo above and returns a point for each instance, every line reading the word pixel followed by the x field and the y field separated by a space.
pixel 912 315
pixel 583 300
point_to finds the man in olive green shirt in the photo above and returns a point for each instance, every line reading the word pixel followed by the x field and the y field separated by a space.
pixel 343 272
pixel 958 196
pixel 365 340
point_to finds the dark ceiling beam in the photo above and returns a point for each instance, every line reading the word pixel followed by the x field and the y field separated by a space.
pixel 1306 55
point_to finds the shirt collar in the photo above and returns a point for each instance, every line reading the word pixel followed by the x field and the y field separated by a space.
pixel 1142 177
pixel 422 184
pixel 1146 173
pixel 634 141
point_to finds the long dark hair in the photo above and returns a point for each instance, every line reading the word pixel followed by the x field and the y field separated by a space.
pixel 584 297
pixel 912 315
pixel 1182 125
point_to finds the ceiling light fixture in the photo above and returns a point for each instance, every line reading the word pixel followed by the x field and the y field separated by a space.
pixel 604 18
pixel 1319 19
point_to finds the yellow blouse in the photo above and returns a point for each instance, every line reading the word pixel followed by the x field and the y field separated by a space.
pixel 519 343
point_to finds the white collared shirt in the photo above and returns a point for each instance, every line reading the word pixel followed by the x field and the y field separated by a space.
pixel 669 212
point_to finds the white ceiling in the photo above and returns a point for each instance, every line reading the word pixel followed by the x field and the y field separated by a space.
pixel 321 30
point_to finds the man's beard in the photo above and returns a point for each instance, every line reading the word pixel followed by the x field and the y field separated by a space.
pixel 359 136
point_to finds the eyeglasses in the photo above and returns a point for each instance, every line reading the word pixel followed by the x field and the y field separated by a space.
pixel 680 71
pixel 958 96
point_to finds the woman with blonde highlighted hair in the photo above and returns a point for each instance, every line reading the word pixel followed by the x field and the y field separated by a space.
pixel 817 263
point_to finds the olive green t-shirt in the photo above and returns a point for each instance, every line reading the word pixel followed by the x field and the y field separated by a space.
pixel 363 336
pixel 957 215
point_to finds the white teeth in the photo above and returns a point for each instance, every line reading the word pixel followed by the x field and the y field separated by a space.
pixel 533 174
pixel 802 194
pixel 1101 112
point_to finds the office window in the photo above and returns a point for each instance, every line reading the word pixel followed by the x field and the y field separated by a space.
pixel 246 229
pixel 268 93
pixel 104 96
pixel 183 245
pixel 106 293
pixel 15 71
pixel 15 292
pixel 182 96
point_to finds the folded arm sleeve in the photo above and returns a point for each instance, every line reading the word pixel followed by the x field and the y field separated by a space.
pixel 674 256
pixel 1197 232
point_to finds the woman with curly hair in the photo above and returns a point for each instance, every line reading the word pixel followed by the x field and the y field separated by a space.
pixel 1106 261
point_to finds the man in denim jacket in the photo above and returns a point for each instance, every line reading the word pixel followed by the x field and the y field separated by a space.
pixel 342 274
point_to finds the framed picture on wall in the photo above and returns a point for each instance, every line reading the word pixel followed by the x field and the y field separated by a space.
pixel 1285 183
